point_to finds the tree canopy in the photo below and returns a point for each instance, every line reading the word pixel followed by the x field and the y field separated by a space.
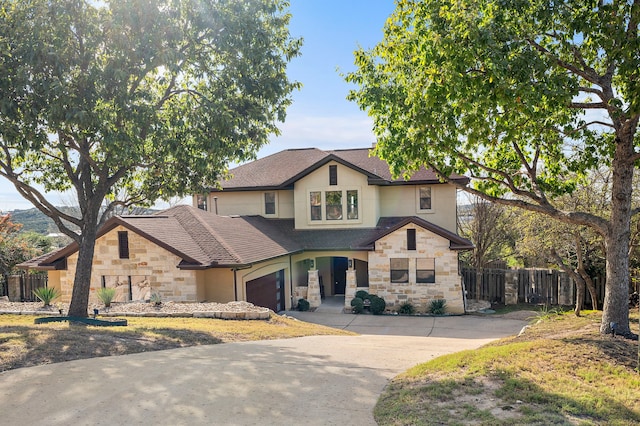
pixel 148 98
pixel 525 97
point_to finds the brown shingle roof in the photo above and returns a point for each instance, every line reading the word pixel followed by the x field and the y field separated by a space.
pixel 282 169
pixel 205 240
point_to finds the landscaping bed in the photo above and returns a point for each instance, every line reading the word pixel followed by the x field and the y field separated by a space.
pixel 231 310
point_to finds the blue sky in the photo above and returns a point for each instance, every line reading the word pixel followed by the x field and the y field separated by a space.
pixel 320 115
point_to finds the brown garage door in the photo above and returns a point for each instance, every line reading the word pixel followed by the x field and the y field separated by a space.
pixel 267 291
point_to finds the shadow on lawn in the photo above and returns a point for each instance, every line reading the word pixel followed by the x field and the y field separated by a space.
pixel 22 346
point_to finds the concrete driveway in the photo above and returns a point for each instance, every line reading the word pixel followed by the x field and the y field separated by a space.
pixel 319 380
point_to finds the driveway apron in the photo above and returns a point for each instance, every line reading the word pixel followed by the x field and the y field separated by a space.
pixel 317 380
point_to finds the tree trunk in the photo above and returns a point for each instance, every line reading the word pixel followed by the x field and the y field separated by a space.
pixel 579 296
pixel 592 292
pixel 615 308
pixel 82 280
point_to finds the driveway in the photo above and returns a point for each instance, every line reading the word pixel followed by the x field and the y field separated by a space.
pixel 318 380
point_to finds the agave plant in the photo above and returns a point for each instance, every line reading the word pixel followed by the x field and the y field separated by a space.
pixel 106 295
pixel 155 299
pixel 46 294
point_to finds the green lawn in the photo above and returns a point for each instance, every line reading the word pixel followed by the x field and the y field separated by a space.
pixel 560 371
pixel 24 344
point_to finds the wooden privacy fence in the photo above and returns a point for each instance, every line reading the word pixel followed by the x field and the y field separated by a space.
pixel 535 286
pixel 531 285
pixel 19 287
pixel 484 284
pixel 4 286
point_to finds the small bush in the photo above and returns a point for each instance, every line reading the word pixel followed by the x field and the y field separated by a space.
pixel 46 294
pixel 378 305
pixel 303 305
pixel 106 295
pixel 155 299
pixel 407 309
pixel 361 294
pixel 438 306
pixel 358 305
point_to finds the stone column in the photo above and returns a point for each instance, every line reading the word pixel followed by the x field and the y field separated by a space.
pixel 350 289
pixel 565 289
pixel 313 291
pixel 511 287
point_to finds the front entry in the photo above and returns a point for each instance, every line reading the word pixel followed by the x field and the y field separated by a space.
pixel 339 266
pixel 267 291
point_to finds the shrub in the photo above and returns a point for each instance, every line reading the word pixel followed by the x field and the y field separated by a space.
pixel 155 299
pixel 407 309
pixel 378 305
pixel 438 306
pixel 358 305
pixel 303 305
pixel 106 295
pixel 46 294
pixel 361 294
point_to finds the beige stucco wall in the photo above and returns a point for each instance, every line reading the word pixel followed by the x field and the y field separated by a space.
pixel 348 179
pixel 448 283
pixel 249 203
pixel 403 201
pixel 216 285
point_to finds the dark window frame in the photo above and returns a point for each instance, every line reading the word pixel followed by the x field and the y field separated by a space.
pixel 411 239
pixel 425 275
pixel 333 175
pixel 123 244
pixel 399 275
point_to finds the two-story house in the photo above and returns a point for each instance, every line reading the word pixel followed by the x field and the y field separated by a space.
pixel 301 223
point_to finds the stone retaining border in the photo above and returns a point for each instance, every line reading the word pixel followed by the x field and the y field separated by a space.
pixel 227 315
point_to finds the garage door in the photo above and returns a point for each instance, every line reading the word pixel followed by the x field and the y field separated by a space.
pixel 267 291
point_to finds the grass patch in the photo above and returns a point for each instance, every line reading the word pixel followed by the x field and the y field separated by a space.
pixel 25 344
pixel 560 371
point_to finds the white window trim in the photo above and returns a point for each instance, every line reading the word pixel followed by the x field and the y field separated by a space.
pixel 264 209
pixel 433 203
pixel 323 205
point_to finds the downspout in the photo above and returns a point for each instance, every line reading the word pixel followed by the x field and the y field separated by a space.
pixel 235 284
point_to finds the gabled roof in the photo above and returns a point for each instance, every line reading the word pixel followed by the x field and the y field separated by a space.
pixel 281 170
pixel 388 225
pixel 205 240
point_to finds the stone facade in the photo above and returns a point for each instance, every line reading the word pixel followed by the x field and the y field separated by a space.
pixel 448 283
pixel 152 270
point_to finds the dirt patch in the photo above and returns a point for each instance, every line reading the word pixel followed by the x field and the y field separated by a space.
pixel 520 315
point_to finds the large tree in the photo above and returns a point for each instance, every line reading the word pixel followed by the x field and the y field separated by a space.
pixel 519 95
pixel 149 98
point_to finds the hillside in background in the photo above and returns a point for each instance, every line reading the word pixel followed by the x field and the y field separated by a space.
pixel 35 221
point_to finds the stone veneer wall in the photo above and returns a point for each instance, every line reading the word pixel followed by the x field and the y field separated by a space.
pixel 145 259
pixel 448 283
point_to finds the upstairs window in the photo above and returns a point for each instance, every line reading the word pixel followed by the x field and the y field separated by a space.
pixel 334 205
pixel 426 270
pixel 411 239
pixel 269 203
pixel 425 198
pixel 399 270
pixel 315 201
pixel 352 204
pixel 123 244
pixel 202 202
pixel 333 175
